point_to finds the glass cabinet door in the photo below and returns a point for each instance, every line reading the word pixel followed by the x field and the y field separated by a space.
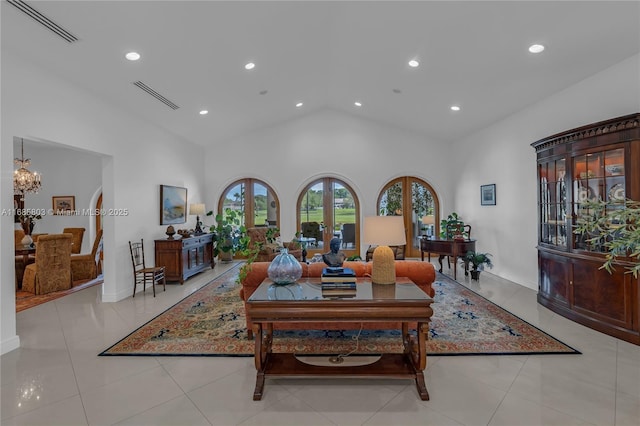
pixel 597 176
pixel 553 202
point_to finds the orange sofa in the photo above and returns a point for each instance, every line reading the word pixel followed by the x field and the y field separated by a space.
pixel 422 274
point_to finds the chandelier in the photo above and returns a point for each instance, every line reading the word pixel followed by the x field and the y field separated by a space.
pixel 23 180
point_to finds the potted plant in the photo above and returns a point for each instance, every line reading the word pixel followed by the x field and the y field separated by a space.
pixel 616 228
pixel 229 235
pixel 453 220
pixel 477 262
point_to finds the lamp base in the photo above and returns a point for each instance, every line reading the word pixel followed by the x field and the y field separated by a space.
pixel 198 230
pixel 383 270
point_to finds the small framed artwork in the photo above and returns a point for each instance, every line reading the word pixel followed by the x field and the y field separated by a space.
pixel 488 195
pixel 173 205
pixel 63 204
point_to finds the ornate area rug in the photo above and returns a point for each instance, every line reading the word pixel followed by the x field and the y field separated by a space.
pixel 26 300
pixel 211 322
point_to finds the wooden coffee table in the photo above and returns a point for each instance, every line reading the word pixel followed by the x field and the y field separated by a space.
pixel 302 302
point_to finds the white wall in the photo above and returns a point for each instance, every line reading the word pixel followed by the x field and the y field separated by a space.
pixel 64 172
pixel 136 159
pixel 365 154
pixel 502 154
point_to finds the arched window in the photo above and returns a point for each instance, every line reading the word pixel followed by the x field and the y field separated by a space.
pixel 255 199
pixel 328 208
pixel 413 199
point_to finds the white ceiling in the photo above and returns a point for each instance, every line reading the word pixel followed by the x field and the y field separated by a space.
pixel 327 55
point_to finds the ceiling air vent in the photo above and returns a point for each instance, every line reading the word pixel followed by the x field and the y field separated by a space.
pixel 43 20
pixel 155 94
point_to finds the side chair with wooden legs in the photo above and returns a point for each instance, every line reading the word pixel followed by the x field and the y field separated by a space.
pixel 78 235
pixel 85 266
pixel 142 273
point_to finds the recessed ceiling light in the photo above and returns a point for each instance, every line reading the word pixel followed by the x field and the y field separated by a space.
pixel 204 112
pixel 249 66
pixel 358 104
pixel 536 48
pixel 455 108
pixel 414 63
pixel 299 104
pixel 132 56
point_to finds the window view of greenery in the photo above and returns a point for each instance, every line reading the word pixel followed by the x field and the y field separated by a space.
pixel 422 204
pixel 260 203
pixel 421 200
pixel 312 209
pixel 391 201
pixel 234 200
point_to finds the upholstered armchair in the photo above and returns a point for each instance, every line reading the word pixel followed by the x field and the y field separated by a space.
pixel 20 263
pixel 78 234
pixel 348 234
pixel 398 252
pixel 269 251
pixel 52 268
pixel 311 230
pixel 85 266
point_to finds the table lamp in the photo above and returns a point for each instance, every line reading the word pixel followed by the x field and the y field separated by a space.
pixel 429 220
pixel 197 210
pixel 384 231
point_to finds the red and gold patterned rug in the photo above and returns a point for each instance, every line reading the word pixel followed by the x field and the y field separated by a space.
pixel 211 322
pixel 26 300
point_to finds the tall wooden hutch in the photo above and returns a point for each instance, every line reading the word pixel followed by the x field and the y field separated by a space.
pixel 597 161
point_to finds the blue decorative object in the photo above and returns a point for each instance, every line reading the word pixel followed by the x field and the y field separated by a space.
pixel 284 268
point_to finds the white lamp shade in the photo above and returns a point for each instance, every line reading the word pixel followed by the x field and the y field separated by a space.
pixel 196 209
pixel 384 230
pixel 428 220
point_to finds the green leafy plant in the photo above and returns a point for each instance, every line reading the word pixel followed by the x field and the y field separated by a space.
pixel 614 227
pixel 452 219
pixel 272 235
pixel 251 255
pixel 230 236
pixel 478 261
pixel 354 258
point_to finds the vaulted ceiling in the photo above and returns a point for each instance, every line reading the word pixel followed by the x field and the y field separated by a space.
pixel 325 55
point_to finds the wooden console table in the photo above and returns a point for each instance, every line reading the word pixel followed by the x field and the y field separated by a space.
pixel 184 257
pixel 454 248
pixel 406 304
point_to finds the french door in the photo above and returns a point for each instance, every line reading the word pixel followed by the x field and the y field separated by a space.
pixel 412 198
pixel 328 208
pixel 254 199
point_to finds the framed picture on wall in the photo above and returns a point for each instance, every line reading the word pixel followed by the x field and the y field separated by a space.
pixel 173 205
pixel 488 195
pixel 63 204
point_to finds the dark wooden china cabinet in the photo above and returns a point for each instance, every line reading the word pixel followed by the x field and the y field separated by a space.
pixel 597 161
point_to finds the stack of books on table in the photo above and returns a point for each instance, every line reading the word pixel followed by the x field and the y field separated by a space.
pixel 338 282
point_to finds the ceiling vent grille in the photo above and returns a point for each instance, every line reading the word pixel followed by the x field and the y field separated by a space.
pixel 155 94
pixel 43 20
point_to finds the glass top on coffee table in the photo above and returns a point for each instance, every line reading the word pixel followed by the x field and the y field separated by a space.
pixel 311 289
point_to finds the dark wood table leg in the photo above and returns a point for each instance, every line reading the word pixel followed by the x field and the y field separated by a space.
pixel 455 267
pixel 263 340
pixel 440 260
pixel 415 348
pixel 257 393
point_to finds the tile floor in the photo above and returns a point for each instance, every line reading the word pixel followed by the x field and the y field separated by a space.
pixel 56 377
